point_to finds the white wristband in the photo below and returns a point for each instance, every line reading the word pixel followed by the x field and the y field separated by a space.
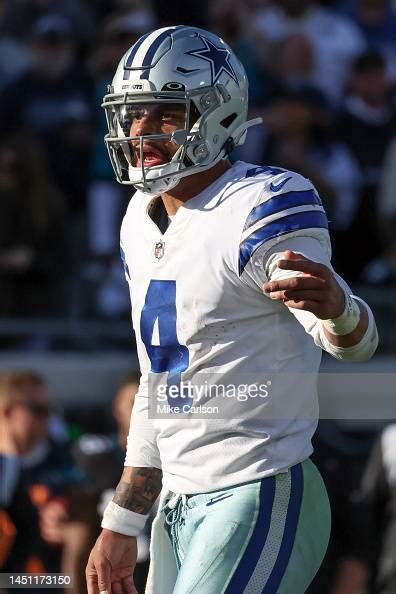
pixel 347 321
pixel 122 520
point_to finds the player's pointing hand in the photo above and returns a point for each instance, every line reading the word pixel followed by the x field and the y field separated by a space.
pixel 314 289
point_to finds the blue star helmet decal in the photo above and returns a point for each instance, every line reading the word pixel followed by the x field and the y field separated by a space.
pixel 218 57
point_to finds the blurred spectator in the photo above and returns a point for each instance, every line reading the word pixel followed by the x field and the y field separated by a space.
pixel 383 269
pixel 14 55
pixel 366 123
pixel 379 494
pixel 377 21
pixel 32 216
pixel 186 12
pixel 18 517
pixel 101 460
pixel 230 19
pixel 335 39
pixel 294 61
pixel 54 100
pixel 45 466
pixel 79 13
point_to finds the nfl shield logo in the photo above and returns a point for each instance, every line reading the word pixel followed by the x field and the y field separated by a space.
pixel 159 249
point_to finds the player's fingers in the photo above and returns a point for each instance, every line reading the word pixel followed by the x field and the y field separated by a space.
pixel 103 569
pixel 306 305
pixel 294 283
pixel 276 295
pixel 91 576
pixel 92 584
pixel 284 296
pixel 129 586
pixel 307 266
pixel 305 295
pixel 116 588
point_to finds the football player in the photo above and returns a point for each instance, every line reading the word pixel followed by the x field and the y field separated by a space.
pixel 233 299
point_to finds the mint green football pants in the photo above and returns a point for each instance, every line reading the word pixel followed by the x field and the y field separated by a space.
pixel 263 537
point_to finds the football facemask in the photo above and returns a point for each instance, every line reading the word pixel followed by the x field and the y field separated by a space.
pixel 167 121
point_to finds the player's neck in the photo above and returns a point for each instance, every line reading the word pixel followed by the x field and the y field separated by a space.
pixel 191 186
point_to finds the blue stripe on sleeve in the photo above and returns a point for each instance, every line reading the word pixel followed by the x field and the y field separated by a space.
pixel 254 171
pixel 288 224
pixel 281 202
pixel 289 534
pixel 252 553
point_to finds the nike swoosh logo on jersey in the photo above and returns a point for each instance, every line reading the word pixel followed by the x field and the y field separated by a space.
pixel 277 187
pixel 220 498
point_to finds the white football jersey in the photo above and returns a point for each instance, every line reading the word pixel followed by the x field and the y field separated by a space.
pixel 228 388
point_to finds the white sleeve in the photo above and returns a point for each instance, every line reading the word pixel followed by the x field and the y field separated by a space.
pixel 315 250
pixel 142 448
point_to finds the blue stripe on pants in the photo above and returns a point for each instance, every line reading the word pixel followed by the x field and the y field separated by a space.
pixel 293 513
pixel 257 541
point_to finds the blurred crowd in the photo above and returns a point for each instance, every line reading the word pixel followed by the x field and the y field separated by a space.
pixel 322 76
pixel 54 483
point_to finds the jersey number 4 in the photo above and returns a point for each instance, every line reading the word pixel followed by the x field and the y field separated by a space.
pixel 168 355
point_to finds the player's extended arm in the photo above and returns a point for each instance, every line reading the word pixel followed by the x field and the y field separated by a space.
pixel 345 324
pixel 113 558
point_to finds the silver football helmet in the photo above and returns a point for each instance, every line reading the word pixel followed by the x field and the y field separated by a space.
pixel 177 67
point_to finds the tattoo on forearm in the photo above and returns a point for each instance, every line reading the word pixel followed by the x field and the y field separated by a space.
pixel 138 489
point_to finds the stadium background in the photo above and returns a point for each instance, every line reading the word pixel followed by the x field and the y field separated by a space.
pixel 323 77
